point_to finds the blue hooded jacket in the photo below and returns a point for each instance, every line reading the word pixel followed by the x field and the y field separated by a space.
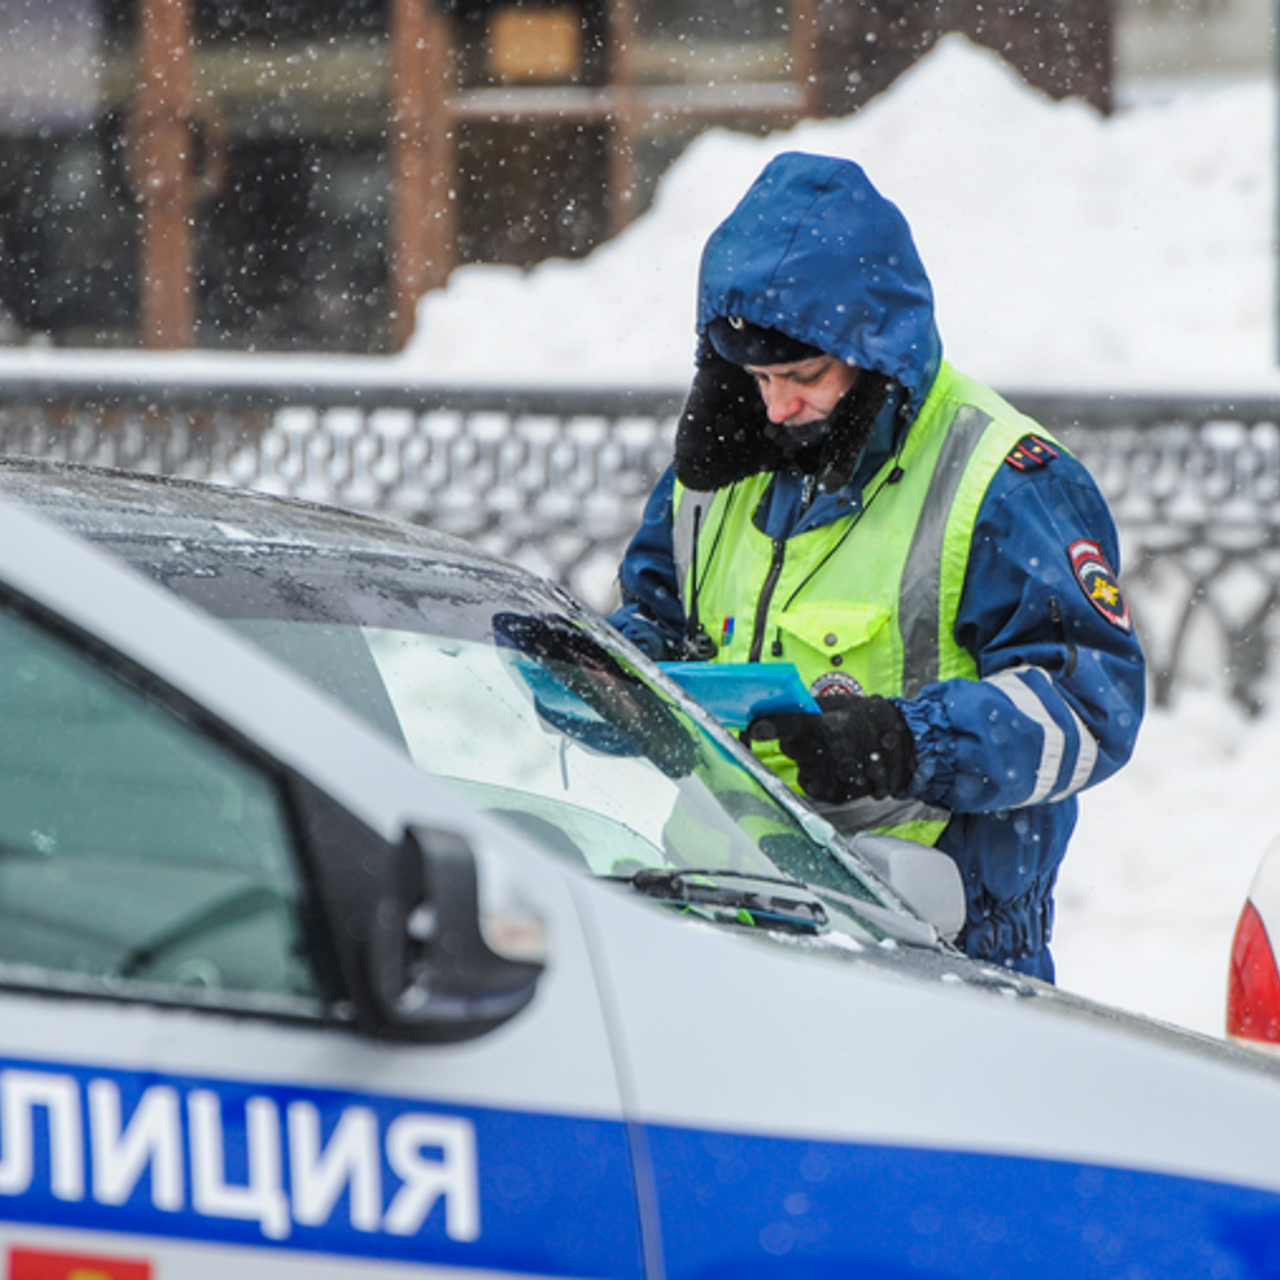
pixel 813 250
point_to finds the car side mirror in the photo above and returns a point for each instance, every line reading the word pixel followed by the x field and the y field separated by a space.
pixel 923 877
pixel 432 973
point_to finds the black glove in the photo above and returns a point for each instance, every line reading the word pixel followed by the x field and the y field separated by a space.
pixel 858 746
pixel 720 438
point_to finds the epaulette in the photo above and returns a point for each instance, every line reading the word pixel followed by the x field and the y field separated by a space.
pixel 1031 452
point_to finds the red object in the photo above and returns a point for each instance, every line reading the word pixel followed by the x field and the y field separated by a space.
pixel 1253 988
pixel 41 1264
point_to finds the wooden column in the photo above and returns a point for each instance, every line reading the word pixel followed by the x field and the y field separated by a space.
pixel 621 195
pixel 162 147
pixel 422 159
pixel 804 54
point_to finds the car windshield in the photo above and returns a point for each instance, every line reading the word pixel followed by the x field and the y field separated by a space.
pixel 529 708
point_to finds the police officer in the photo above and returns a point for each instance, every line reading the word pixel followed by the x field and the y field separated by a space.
pixel 940 570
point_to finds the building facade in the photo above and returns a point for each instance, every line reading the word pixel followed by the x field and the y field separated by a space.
pixel 294 174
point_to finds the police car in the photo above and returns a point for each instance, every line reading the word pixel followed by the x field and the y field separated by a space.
pixel 494 955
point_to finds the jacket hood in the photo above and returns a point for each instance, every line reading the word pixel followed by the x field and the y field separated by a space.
pixel 814 250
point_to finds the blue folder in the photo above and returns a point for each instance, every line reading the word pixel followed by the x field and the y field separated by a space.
pixel 738 692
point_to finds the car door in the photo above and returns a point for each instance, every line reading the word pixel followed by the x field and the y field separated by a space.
pixel 190 1084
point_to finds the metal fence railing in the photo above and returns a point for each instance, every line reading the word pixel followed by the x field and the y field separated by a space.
pixel 556 479
pixel 1195 488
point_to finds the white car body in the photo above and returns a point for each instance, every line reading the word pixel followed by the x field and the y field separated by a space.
pixel 677 1099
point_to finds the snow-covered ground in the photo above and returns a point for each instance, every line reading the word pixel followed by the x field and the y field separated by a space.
pixel 1067 251
pixel 1162 859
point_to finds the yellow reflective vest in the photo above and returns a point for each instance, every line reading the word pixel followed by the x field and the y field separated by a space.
pixel 868 601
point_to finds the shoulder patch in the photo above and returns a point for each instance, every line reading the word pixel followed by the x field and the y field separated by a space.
pixel 1098 583
pixel 1031 452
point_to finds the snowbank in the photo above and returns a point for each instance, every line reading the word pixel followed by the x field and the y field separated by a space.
pixel 1068 250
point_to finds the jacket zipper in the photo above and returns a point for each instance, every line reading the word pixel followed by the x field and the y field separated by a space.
pixel 766 599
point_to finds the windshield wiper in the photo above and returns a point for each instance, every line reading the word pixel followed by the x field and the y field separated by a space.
pixel 750 899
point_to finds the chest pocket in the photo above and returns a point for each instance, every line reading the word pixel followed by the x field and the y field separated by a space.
pixel 854 640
